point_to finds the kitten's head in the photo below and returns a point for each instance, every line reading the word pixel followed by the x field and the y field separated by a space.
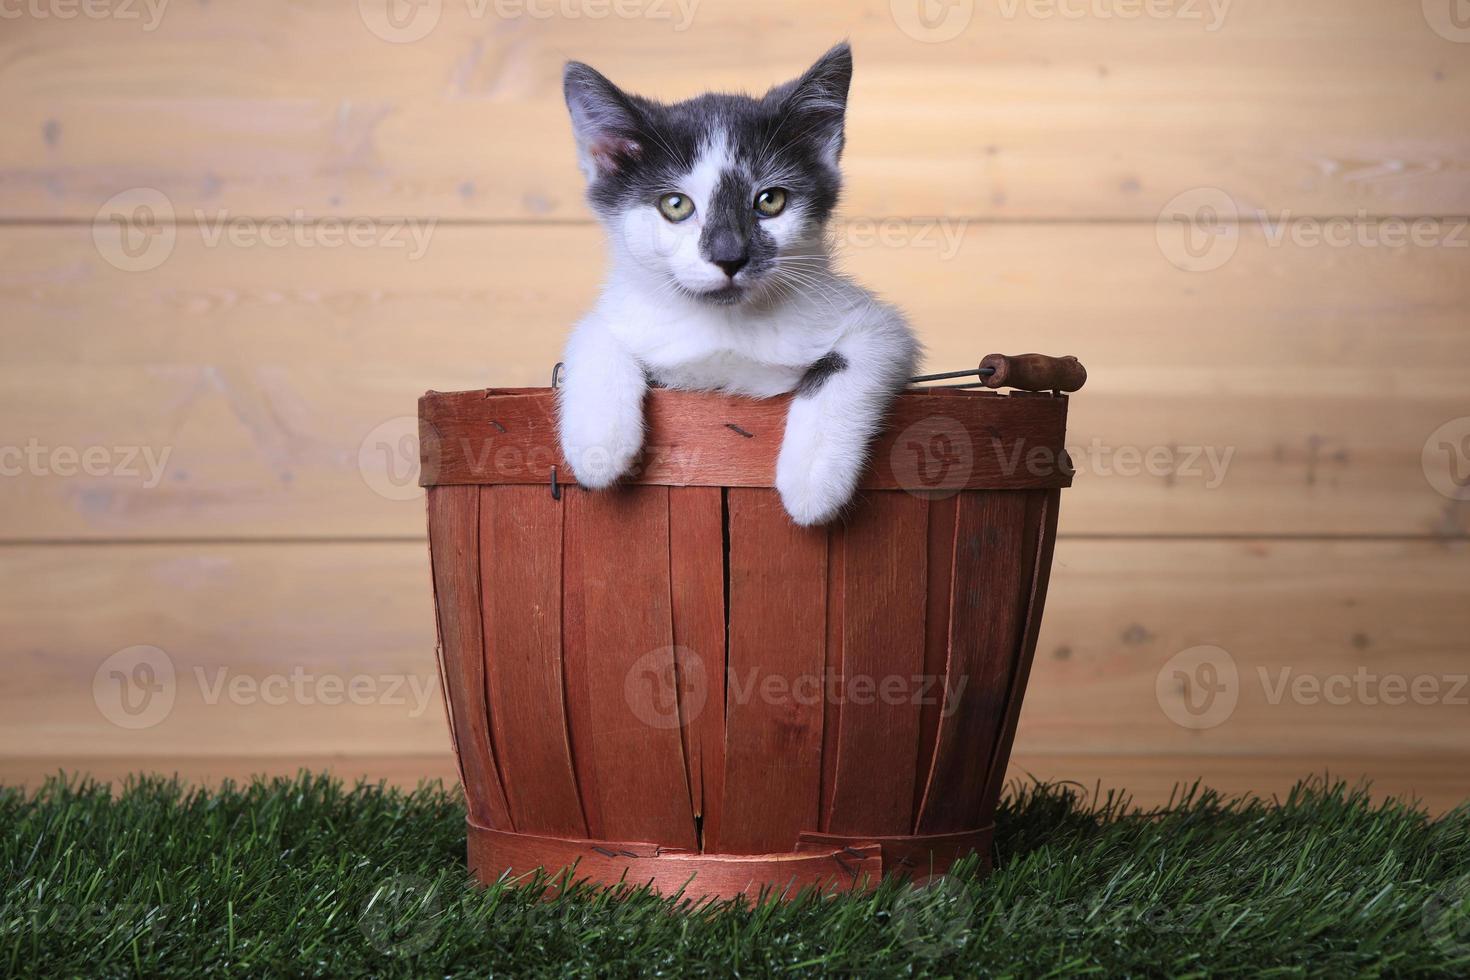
pixel 722 196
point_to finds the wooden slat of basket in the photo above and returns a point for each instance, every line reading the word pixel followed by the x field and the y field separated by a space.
pixel 520 570
pixel 773 742
pixel 882 655
pixel 832 707
pixel 991 539
pixel 625 719
pixel 697 578
pixel 701 439
pixel 454 518
pixel 1041 522
pixel 574 660
pixel 940 575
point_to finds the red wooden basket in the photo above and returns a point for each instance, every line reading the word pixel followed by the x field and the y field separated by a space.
pixel 670 683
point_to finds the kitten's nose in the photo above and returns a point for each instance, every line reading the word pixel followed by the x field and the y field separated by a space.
pixel 728 251
pixel 732 266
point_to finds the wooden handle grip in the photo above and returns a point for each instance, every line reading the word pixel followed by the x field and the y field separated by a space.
pixel 1034 372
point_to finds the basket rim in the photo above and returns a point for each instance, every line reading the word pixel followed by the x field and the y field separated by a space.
pixel 935 440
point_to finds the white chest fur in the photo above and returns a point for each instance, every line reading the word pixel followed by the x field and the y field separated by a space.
pixel 758 352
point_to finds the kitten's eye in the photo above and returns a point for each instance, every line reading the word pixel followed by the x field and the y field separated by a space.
pixel 675 207
pixel 771 202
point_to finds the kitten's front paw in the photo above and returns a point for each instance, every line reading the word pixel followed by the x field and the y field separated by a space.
pixel 595 468
pixel 812 494
pixel 602 452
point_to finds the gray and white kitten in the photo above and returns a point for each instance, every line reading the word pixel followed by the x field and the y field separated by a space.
pixel 721 280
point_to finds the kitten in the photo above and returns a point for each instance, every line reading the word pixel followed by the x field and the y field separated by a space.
pixel 715 210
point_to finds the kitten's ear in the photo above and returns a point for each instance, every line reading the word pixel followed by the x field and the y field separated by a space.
pixel 604 120
pixel 815 104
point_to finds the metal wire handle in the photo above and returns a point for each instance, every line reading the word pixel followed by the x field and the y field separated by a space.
pixel 1029 372
pixel 1025 372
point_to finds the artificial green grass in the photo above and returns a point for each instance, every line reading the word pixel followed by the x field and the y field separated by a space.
pixel 308 878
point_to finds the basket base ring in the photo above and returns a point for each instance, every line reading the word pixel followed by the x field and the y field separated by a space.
pixel 827 862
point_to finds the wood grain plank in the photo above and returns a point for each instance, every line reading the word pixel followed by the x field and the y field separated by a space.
pixel 697 584
pixel 521 579
pixel 626 666
pixel 454 531
pixel 276 648
pixel 241 621
pixel 1327 641
pixel 990 582
pixel 773 716
pixel 884 601
pixel 225 363
pixel 1318 106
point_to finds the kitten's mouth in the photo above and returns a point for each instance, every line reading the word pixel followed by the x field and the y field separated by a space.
pixel 724 296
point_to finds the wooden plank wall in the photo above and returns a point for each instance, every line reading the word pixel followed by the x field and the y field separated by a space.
pixel 1246 217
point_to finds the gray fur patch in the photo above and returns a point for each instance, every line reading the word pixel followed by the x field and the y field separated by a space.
pixel 819 372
